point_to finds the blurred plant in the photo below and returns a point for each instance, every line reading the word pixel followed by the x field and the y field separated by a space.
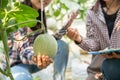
pixel 58 8
pixel 58 12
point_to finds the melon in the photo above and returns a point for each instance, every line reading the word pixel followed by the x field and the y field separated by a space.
pixel 45 44
pixel 52 23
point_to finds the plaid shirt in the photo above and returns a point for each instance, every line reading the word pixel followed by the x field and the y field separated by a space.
pixel 98 39
pixel 23 49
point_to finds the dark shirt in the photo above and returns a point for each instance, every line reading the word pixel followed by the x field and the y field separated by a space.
pixel 110 19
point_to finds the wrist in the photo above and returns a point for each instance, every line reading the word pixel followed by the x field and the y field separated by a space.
pixel 78 41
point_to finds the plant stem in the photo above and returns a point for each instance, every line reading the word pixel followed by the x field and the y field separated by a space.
pixel 4 38
pixel 25 23
pixel 3 72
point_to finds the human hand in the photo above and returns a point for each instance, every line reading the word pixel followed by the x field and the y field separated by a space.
pixel 118 25
pixel 73 34
pixel 111 55
pixel 98 75
pixel 42 61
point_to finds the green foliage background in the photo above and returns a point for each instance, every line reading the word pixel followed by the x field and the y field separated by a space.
pixel 58 8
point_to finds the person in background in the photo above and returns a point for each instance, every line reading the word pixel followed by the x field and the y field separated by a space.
pixel 102 24
pixel 22 60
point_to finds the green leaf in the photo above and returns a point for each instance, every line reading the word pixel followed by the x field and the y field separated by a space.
pixel 23 13
pixel 3 3
pixel 56 13
pixel 10 22
pixel 64 6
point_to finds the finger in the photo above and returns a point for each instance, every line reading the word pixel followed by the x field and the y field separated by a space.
pixel 50 60
pixel 76 30
pixel 72 36
pixel 107 56
pixel 110 55
pixel 104 55
pixel 69 31
pixel 47 60
pixel 75 35
pixel 31 62
pixel 39 61
pixel 44 62
pixel 116 55
pixel 34 59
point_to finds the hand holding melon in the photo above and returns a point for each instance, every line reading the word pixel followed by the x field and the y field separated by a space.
pixel 42 61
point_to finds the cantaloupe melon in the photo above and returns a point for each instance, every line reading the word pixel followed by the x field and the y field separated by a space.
pixel 45 44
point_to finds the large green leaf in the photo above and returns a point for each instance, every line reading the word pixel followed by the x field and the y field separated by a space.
pixel 23 13
pixel 3 3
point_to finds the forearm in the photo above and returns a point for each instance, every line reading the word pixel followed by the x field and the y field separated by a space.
pixel 89 44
